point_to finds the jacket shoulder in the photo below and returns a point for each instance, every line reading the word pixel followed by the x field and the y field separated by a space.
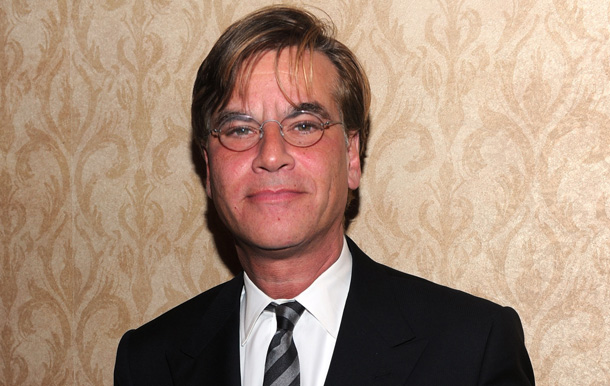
pixel 428 306
pixel 176 325
pixel 141 355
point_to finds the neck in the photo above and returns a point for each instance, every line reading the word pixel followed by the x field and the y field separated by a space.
pixel 284 274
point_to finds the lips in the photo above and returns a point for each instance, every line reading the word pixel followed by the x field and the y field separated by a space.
pixel 274 195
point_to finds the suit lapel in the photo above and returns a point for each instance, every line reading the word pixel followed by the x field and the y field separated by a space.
pixel 375 345
pixel 210 355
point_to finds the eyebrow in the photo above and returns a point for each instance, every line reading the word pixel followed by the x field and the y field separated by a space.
pixel 312 107
pixel 228 116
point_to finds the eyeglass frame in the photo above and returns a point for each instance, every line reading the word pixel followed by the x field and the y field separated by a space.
pixel 215 132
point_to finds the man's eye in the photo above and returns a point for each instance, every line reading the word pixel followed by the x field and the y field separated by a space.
pixel 239 131
pixel 305 127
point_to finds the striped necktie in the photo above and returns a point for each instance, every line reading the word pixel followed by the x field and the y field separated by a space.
pixel 282 363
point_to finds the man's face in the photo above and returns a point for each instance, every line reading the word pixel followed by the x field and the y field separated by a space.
pixel 276 196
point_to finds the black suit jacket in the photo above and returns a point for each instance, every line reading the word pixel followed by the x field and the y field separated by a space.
pixel 396 329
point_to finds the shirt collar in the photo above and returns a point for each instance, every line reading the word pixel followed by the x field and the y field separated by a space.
pixel 324 299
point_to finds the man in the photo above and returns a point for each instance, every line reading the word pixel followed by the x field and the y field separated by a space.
pixel 281 110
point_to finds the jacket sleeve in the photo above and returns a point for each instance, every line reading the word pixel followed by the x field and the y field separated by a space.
pixel 121 366
pixel 506 361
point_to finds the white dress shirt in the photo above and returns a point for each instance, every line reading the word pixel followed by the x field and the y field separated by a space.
pixel 315 333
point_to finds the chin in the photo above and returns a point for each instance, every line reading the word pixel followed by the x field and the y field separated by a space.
pixel 271 241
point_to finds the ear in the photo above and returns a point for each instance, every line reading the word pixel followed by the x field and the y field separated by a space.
pixel 353 161
pixel 208 189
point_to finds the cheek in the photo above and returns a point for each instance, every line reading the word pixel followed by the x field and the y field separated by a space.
pixel 223 189
pixel 330 172
pixel 220 178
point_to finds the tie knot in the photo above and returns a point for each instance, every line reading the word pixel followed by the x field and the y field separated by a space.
pixel 287 314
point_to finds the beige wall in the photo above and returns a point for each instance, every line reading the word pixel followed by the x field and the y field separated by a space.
pixel 489 168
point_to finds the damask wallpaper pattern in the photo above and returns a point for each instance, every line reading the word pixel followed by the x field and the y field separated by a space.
pixel 488 169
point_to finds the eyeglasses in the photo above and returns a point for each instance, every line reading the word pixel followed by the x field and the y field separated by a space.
pixel 242 132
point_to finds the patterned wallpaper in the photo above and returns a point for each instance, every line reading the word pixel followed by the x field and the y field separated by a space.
pixel 488 169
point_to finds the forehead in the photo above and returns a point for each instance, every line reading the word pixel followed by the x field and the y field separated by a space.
pixel 284 79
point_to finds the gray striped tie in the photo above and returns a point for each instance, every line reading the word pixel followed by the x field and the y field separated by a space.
pixel 282 364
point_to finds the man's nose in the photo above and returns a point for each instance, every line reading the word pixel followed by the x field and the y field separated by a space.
pixel 272 150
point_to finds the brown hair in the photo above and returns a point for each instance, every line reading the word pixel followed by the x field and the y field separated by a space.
pixel 272 29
